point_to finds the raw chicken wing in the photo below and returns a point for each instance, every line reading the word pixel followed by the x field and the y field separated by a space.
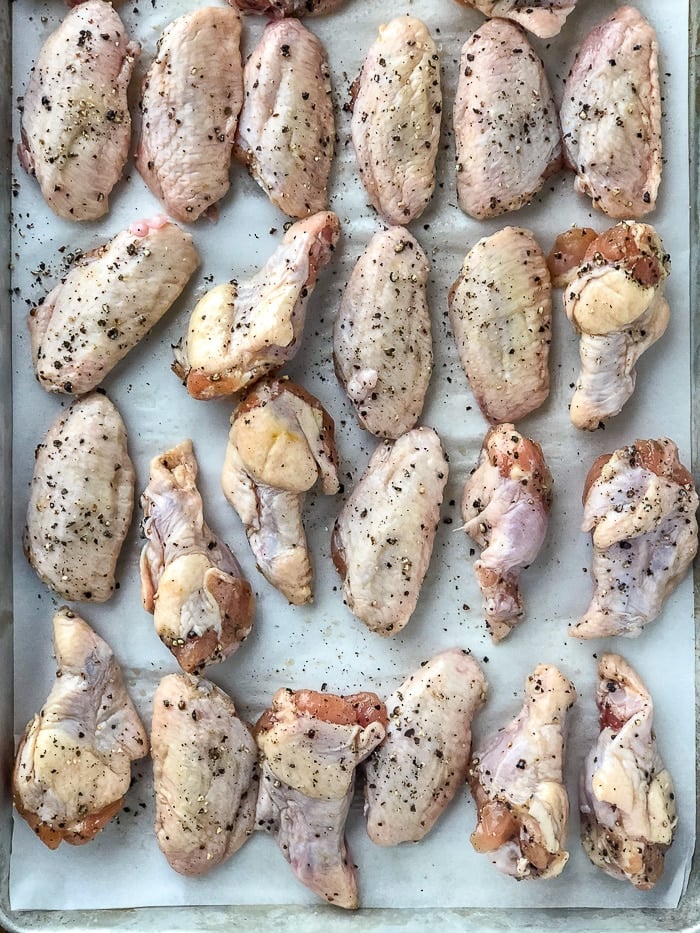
pixel 544 18
pixel 517 782
pixel 505 507
pixel 73 763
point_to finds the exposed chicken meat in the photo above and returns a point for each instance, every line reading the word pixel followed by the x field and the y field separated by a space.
pixel 544 18
pixel 616 303
pixel 640 504
pixel 567 254
pixel 109 300
pixel 396 119
pixel 501 315
pixel 505 507
pixel 73 763
pixel 416 771
pixel 204 774
pixel 310 745
pixel 505 122
pixel 190 101
pixel 611 116
pixel 240 332
pixel 281 441
pixel 202 605
pixel 80 501
pixel 286 133
pixel 383 537
pixel 627 801
pixel 279 8
pixel 517 782
pixel 76 125
pixel 382 342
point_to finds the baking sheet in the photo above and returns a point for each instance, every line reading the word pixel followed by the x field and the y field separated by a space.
pixel 310 646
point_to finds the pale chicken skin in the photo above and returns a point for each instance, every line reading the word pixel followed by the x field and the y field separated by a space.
pixel 281 442
pixel 76 127
pixel 240 332
pixel 286 132
pixel 640 505
pixel 416 771
pixel 396 113
pixel 626 796
pixel 611 116
pixel 505 506
pixel 205 774
pixel 505 122
pixel 73 763
pixel 190 101
pixel 500 310
pixel 517 782
pixel 277 9
pixel 81 499
pixel 544 18
pixel 107 303
pixel 383 537
pixel 310 745
pixel 382 337
pixel 615 300
pixel 202 605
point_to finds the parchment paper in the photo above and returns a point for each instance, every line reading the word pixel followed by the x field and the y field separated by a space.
pixel 323 643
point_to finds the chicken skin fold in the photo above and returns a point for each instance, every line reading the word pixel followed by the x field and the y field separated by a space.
pixel 202 605
pixel 544 18
pixel 73 763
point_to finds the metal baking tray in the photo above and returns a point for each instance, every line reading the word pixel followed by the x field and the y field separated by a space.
pixel 291 917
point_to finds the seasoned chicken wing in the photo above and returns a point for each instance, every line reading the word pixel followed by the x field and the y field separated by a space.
pixel 76 126
pixel 383 537
pixel 108 301
pixel 615 301
pixel 501 315
pixel 382 338
pixel 240 332
pixel 73 763
pixel 204 774
pixel 505 122
pixel 627 800
pixel 544 18
pixel 286 133
pixel 396 119
pixel 202 605
pixel 310 744
pixel 281 441
pixel 81 500
pixel 505 507
pixel 611 116
pixel 190 101
pixel 640 504
pixel 279 8
pixel 517 782
pixel 416 771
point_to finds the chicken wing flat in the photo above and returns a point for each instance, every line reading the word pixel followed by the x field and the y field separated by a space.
pixel 81 500
pixel 611 116
pixel 281 441
pixel 382 338
pixel 396 119
pixel 544 18
pixel 204 774
pixel 73 763
pixel 107 303
pixel 505 122
pixel 286 133
pixel 505 507
pixel 517 782
pixel 310 744
pixel 640 504
pixel 616 303
pixel 383 537
pixel 76 126
pixel 413 775
pixel 202 605
pixel 501 315
pixel 240 332
pixel 190 101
